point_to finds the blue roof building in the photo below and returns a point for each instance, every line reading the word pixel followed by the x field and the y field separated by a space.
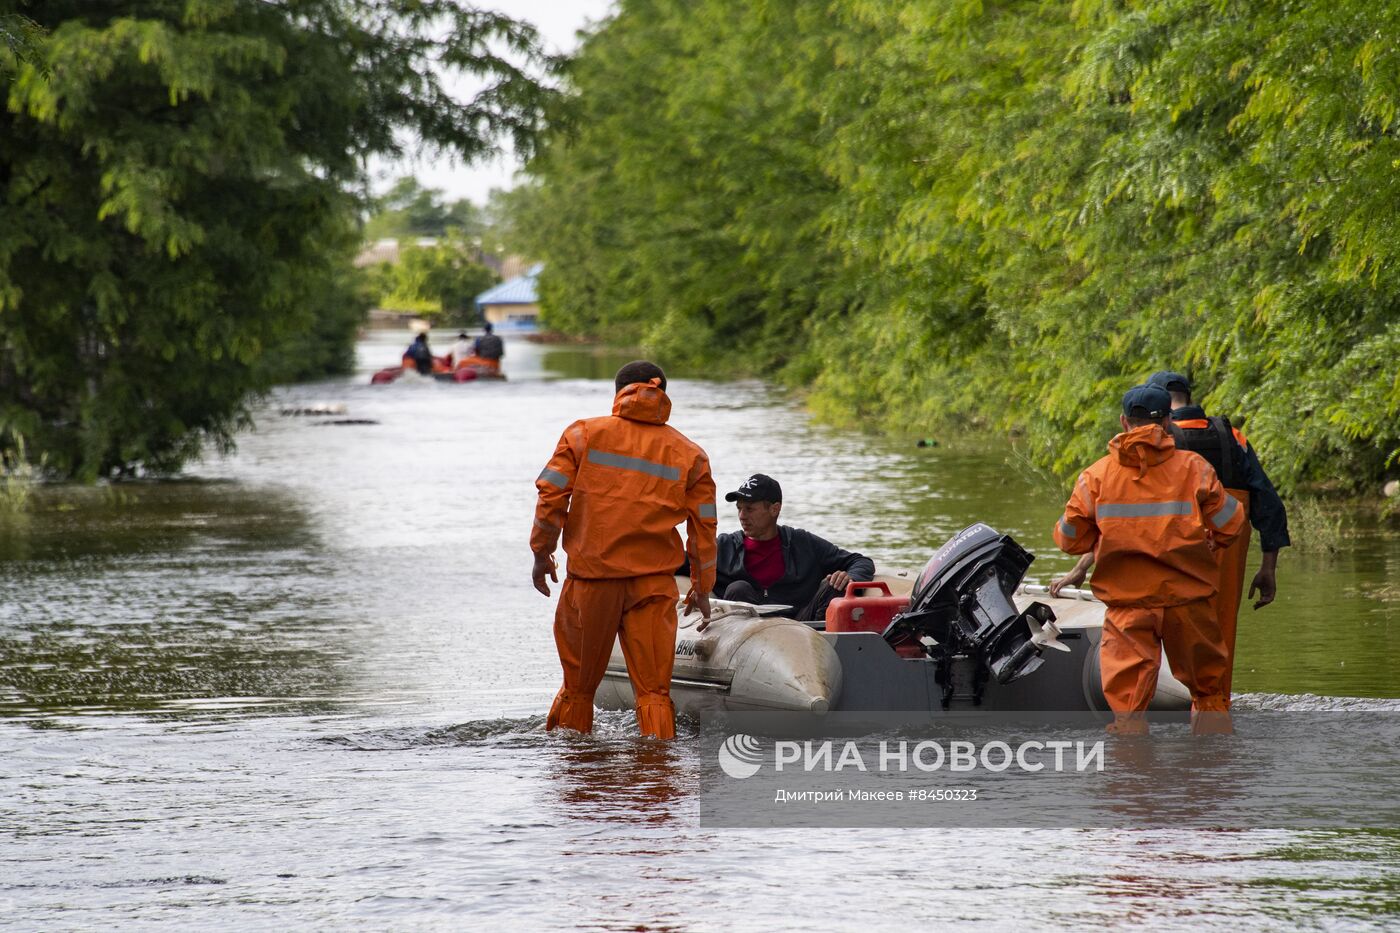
pixel 514 304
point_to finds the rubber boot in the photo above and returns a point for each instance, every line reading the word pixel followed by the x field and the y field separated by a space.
pixel 1128 724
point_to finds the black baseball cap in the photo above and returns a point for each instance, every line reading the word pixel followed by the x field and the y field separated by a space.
pixel 757 488
pixel 1147 401
pixel 1172 382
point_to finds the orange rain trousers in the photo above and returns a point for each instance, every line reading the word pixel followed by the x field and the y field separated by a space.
pixel 639 611
pixel 1131 655
pixel 1230 594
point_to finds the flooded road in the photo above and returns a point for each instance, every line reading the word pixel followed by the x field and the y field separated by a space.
pixel 306 687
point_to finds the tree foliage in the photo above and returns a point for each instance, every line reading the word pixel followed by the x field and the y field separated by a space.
pixel 998 211
pixel 443 246
pixel 442 278
pixel 178 181
pixel 681 203
pixel 408 209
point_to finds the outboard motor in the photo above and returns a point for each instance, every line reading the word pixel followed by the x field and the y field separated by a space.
pixel 963 602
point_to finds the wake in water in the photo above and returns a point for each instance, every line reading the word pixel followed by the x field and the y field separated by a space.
pixel 621 726
pixel 608 727
pixel 1312 703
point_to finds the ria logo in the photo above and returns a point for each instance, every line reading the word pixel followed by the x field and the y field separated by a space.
pixel 740 756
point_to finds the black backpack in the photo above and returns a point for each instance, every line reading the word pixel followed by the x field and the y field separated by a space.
pixel 1216 442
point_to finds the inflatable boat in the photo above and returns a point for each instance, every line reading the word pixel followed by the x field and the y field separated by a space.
pixel 965 634
pixel 469 369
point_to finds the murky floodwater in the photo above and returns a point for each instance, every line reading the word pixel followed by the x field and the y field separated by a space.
pixel 306 688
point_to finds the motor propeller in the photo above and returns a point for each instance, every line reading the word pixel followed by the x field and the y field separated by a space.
pixel 1046 635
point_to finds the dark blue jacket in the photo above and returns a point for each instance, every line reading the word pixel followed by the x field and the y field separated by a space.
pixel 489 347
pixel 807 560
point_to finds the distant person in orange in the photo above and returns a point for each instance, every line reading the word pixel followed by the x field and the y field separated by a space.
pixel 617 487
pixel 1154 516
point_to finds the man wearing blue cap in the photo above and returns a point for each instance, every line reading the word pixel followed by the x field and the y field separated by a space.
pixel 1153 515
pixel 1240 472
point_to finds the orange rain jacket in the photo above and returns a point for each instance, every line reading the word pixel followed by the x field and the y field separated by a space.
pixel 618 486
pixel 1147 508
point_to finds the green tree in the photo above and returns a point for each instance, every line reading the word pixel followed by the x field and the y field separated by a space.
pixel 20 37
pixel 680 200
pixel 177 179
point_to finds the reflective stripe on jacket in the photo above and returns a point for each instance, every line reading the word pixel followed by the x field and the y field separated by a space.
pixel 1146 510
pixel 618 486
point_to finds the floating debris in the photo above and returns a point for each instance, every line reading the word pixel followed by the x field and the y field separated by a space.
pixel 322 408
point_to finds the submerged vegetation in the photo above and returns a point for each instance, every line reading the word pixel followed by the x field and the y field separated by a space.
pixel 17 477
pixel 1317 525
pixel 950 212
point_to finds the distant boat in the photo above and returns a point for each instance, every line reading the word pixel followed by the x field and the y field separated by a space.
pixel 471 369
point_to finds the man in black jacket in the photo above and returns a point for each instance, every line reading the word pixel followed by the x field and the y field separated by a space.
pixel 772 563
pixel 490 347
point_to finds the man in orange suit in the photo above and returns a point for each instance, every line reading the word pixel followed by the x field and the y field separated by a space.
pixel 1154 516
pixel 617 487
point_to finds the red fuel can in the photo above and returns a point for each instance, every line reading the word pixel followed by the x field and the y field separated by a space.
pixel 852 613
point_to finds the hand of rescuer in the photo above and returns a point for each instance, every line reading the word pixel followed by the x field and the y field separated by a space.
pixel 544 566
pixel 696 601
pixel 838 581
pixel 1265 582
pixel 1075 576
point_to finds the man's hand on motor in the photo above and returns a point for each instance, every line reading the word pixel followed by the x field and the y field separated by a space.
pixel 838 581
pixel 696 601
pixel 544 567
